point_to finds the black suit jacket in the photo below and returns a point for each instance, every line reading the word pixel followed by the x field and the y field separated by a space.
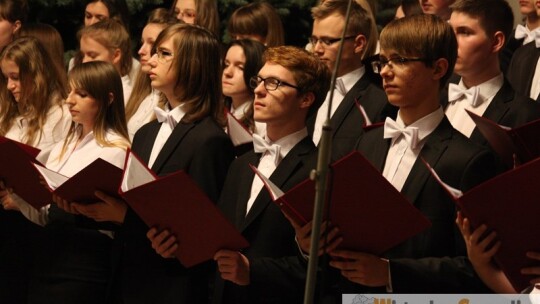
pixel 507 108
pixel 203 151
pixel 275 274
pixel 347 122
pixel 434 260
pixel 522 67
pixel 505 56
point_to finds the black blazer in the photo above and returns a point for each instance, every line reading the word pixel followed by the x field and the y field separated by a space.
pixel 347 122
pixel 505 56
pixel 275 274
pixel 507 108
pixel 203 151
pixel 522 67
pixel 433 261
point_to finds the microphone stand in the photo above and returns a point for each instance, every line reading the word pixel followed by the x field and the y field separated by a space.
pixel 320 176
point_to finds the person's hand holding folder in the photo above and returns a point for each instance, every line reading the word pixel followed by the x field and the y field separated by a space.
pixel 163 242
pixel 327 242
pixel 110 209
pixel 233 266
pixel 5 198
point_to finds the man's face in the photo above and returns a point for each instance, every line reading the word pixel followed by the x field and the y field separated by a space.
pixel 330 28
pixel 475 48
pixel 278 106
pixel 437 7
pixel 405 83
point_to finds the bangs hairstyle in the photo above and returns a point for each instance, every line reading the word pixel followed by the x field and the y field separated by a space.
pixel 258 18
pixel 361 21
pixel 493 15
pixel 424 36
pixel 197 68
pixel 309 72
pixel 100 79
pixel 13 10
pixel 112 35
pixel 42 87
pixel 118 10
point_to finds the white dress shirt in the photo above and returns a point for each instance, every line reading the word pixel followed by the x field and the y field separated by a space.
pixel 535 85
pixel 343 85
pixel 164 132
pixel 455 111
pixel 54 130
pixel 144 113
pixel 401 157
pixel 267 165
pixel 76 157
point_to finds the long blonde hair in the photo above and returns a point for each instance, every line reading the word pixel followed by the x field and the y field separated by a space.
pixel 99 79
pixel 42 88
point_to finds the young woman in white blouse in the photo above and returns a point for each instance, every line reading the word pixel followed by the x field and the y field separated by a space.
pixel 75 256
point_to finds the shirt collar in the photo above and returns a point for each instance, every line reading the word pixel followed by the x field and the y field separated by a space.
pixel 487 89
pixel 426 124
pixel 288 142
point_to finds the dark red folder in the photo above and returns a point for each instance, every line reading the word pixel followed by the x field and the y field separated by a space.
pixel 176 203
pixel 371 214
pixel 99 175
pixel 18 173
pixel 508 204
pixel 523 141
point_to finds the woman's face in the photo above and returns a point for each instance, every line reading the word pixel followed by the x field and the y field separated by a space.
pixel 83 107
pixel 149 35
pixel 162 74
pixel 95 12
pixel 232 79
pixel 10 70
pixel 185 10
pixel 92 50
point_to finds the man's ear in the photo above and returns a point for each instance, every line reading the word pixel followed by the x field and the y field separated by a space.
pixel 498 42
pixel 360 43
pixel 111 98
pixel 16 26
pixel 307 100
pixel 440 67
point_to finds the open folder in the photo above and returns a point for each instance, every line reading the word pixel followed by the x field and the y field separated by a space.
pixel 18 173
pixel 241 137
pixel 98 175
pixel 176 203
pixel 508 204
pixel 371 214
pixel 523 141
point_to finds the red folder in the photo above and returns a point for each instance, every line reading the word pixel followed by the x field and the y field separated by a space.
pixel 522 141
pixel 99 175
pixel 371 214
pixel 18 173
pixel 176 203
pixel 508 204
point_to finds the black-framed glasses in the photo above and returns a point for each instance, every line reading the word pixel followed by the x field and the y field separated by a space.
pixel 399 61
pixel 270 83
pixel 327 41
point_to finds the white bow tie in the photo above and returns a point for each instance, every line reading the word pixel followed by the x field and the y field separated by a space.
pixel 260 145
pixel 455 92
pixel 393 130
pixel 527 35
pixel 340 87
pixel 164 116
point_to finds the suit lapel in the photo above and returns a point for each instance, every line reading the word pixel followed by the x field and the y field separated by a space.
pixel 436 144
pixel 288 166
pixel 245 181
pixel 348 103
pixel 144 149
pixel 496 110
pixel 172 142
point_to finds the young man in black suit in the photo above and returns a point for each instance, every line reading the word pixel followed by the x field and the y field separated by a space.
pixel 416 59
pixel 289 88
pixel 354 82
pixel 482 29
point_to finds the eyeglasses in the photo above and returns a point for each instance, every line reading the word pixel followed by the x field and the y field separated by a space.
pixel 378 65
pixel 270 83
pixel 163 56
pixel 325 41
pixel 188 12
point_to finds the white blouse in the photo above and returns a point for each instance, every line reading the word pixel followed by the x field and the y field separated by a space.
pixel 144 113
pixel 76 157
pixel 54 130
